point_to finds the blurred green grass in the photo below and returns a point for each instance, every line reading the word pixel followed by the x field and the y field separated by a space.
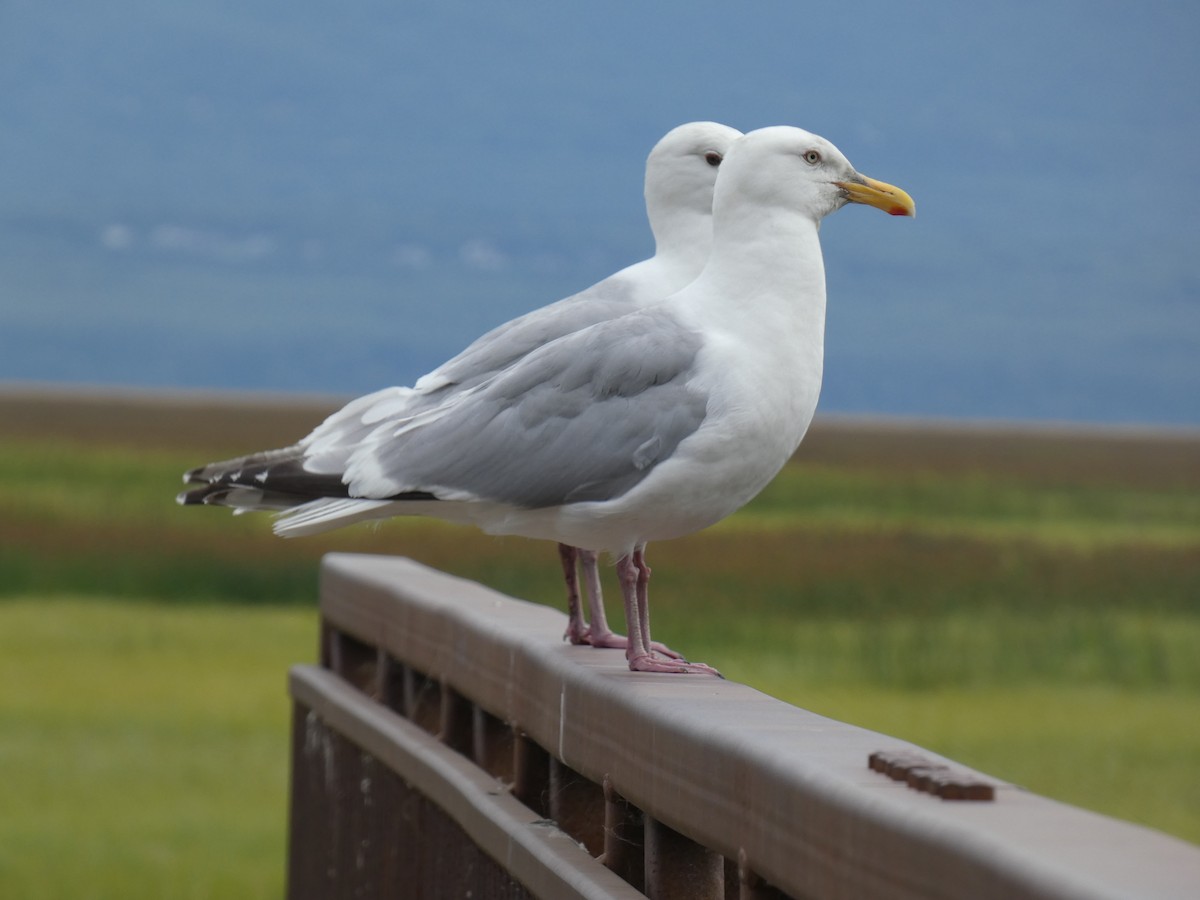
pixel 1034 613
pixel 144 747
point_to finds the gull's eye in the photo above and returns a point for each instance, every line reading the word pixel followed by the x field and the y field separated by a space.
pixel 713 158
pixel 812 157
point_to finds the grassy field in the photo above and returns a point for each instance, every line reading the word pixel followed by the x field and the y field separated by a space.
pixel 1025 601
pixel 144 747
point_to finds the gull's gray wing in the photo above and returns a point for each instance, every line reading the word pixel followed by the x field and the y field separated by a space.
pixel 329 446
pixel 585 417
pixel 505 344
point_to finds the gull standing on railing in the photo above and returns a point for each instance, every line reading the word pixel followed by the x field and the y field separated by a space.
pixel 645 427
pixel 680 173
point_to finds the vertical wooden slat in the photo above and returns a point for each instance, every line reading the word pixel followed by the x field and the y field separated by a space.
pixel 531 774
pixel 624 838
pixel 577 805
pixel 389 681
pixel 353 660
pixel 325 637
pixel 306 850
pixel 680 869
pixel 492 744
pixel 422 700
pixel 456 726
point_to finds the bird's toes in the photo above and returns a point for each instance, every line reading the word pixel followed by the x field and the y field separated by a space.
pixel 577 634
pixel 664 650
pixel 651 663
pixel 609 640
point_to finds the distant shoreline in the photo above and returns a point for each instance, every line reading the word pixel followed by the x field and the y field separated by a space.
pixel 21 392
pixel 199 426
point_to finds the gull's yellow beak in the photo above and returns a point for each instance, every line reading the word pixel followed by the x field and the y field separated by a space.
pixel 892 200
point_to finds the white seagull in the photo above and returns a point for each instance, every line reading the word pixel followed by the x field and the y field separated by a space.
pixel 680 173
pixel 644 427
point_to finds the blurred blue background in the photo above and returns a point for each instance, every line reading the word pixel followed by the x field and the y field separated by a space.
pixel 304 197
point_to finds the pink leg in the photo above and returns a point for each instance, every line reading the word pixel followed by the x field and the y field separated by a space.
pixel 601 635
pixel 598 633
pixel 635 588
pixel 643 591
pixel 577 629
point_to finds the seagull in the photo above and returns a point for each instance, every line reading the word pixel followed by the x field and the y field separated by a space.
pixel 644 427
pixel 681 171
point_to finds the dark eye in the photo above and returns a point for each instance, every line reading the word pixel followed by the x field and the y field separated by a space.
pixel 812 157
pixel 713 158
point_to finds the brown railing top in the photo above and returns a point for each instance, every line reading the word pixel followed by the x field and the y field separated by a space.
pixel 792 793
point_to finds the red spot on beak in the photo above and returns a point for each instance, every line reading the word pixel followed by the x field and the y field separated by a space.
pixel 897 211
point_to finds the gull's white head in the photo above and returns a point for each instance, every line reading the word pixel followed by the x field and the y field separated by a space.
pixel 681 172
pixel 790 168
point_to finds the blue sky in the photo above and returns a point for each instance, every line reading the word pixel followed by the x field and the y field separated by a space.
pixel 285 196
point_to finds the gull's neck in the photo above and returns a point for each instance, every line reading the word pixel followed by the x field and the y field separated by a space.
pixel 682 240
pixel 765 272
pixel 761 302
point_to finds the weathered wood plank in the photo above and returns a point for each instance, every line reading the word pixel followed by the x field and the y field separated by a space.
pixel 788 793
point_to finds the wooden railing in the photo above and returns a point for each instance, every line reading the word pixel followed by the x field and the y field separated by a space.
pixel 451 745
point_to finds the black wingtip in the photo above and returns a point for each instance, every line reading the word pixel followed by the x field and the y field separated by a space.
pixel 193 476
pixel 202 496
pixel 190 498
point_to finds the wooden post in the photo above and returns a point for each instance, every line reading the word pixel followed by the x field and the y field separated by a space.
pixel 577 805
pixel 531 774
pixel 492 744
pixel 624 838
pixel 680 869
